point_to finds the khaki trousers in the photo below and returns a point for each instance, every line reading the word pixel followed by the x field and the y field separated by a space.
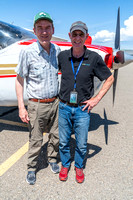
pixel 43 118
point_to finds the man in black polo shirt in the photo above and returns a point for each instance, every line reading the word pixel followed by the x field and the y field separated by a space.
pixel 78 66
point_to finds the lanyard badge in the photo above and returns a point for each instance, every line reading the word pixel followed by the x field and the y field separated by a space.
pixel 74 94
pixel 73 97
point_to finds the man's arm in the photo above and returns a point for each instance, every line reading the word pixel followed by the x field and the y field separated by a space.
pixel 19 84
pixel 95 100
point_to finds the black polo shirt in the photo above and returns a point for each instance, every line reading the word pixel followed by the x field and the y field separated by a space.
pixel 92 65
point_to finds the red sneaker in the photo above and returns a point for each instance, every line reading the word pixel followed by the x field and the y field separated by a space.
pixel 63 175
pixel 79 175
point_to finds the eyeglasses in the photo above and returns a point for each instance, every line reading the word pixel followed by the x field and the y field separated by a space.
pixel 80 35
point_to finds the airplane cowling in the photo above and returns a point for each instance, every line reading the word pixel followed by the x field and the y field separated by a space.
pixel 89 40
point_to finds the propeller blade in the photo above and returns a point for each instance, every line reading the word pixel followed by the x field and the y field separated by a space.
pixel 117 35
pixel 119 56
pixel 114 84
pixel 106 127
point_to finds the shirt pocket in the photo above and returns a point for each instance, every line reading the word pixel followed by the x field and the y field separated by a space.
pixel 38 71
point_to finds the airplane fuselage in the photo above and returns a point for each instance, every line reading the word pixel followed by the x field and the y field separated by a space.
pixel 12 40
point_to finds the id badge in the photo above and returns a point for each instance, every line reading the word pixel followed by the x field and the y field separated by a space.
pixel 73 97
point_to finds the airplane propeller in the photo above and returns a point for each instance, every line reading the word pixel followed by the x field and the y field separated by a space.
pixel 119 54
pixel 121 58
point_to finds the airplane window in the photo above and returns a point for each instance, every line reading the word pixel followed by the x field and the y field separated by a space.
pixel 10 34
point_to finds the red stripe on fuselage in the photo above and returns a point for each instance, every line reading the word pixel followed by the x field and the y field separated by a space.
pixel 8 76
pixel 68 44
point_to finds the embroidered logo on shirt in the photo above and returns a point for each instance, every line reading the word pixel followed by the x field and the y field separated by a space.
pixel 85 64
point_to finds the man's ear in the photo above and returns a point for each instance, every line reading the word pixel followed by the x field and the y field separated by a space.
pixel 87 35
pixel 34 31
pixel 53 29
pixel 69 35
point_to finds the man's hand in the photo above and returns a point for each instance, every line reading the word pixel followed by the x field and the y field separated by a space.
pixel 19 84
pixel 91 103
pixel 94 100
pixel 23 114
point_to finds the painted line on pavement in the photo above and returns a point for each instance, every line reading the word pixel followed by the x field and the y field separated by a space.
pixel 12 123
pixel 14 158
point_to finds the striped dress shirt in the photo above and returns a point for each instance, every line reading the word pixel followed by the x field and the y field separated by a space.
pixel 40 70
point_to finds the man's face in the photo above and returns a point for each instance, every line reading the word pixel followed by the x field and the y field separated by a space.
pixel 44 30
pixel 78 38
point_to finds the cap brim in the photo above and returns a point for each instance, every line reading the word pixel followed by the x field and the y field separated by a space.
pixel 78 28
pixel 45 18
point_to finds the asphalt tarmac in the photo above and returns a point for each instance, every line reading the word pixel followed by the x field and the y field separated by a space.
pixel 109 162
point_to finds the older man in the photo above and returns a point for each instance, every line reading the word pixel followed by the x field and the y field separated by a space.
pixel 78 66
pixel 38 65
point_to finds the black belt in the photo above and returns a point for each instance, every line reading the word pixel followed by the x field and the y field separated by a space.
pixel 72 104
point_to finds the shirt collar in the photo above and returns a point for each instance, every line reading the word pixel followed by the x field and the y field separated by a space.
pixel 41 49
pixel 85 54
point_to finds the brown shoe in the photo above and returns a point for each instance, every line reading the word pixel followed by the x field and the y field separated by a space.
pixel 79 175
pixel 63 175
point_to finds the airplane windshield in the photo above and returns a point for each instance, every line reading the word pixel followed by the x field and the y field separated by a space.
pixel 10 34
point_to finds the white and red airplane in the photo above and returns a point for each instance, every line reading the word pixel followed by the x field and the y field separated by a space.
pixel 14 38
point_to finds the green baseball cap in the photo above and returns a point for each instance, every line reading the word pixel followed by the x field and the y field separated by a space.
pixel 42 15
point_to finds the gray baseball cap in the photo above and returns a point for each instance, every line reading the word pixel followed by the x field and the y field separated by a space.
pixel 79 26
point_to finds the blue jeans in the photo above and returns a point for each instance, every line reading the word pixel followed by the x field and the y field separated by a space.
pixel 73 119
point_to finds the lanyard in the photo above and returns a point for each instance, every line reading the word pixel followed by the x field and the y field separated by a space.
pixel 75 75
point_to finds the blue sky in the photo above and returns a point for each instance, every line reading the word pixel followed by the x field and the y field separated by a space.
pixel 99 15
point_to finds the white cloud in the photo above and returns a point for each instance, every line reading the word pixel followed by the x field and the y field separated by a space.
pixel 105 36
pixel 127 32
